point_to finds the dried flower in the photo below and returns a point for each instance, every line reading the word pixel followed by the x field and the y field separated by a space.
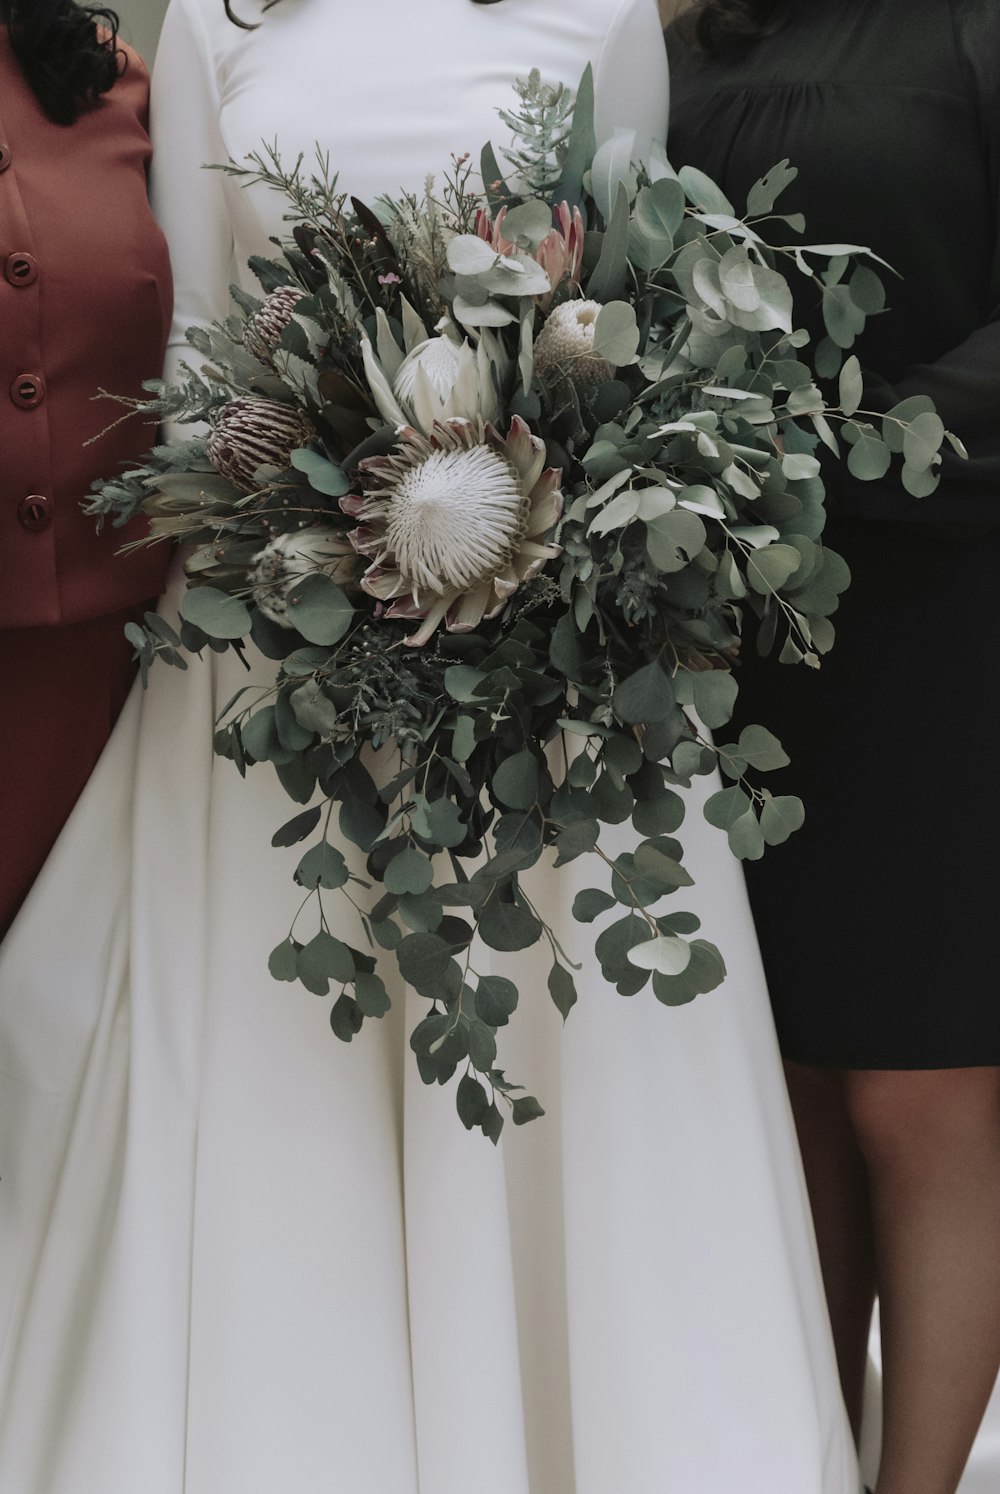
pixel 454 521
pixel 253 433
pixel 262 333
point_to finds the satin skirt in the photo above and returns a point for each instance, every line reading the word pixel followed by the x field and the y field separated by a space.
pixel 236 1255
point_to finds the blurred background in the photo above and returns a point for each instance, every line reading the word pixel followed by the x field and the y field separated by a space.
pixel 140 23
pixel 141 20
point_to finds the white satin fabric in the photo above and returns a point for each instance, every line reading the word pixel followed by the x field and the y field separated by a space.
pixel 237 1257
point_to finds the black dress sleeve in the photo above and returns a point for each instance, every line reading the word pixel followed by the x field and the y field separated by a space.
pixel 965 382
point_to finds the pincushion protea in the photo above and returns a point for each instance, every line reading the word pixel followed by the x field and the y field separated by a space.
pixel 454 521
pixel 566 342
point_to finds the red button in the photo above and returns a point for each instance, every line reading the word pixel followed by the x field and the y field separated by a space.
pixel 35 512
pixel 5 157
pixel 21 269
pixel 27 391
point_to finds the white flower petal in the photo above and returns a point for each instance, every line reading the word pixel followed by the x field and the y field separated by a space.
pixel 385 400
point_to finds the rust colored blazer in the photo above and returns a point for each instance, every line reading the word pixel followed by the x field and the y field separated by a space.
pixel 85 304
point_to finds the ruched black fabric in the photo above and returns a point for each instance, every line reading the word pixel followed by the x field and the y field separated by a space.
pixel 877 921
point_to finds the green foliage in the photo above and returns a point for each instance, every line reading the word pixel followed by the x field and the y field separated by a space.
pixel 690 440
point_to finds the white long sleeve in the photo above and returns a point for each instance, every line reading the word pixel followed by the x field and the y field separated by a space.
pixel 190 202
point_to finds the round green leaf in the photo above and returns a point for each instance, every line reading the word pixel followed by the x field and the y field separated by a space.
pixel 590 903
pixel 215 612
pixel 526 1108
pixel 371 994
pixel 323 866
pixel 531 222
pixel 424 961
pixel 507 926
pixel 496 999
pixel 468 254
pixel 346 1018
pixel 644 696
pixel 410 871
pixel 704 972
pixel 770 568
pixel 472 1102
pixel 920 482
pixel 460 681
pixel 665 953
pixel 616 333
pixel 762 749
pixel 780 818
pixel 715 692
pixel 655 864
pixel 444 819
pixel 324 959
pixel 922 440
pixel 283 960
pixel 319 609
pixel 869 458
pixel 745 837
pixel 516 780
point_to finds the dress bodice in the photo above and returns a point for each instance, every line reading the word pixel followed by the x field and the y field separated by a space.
pixel 389 88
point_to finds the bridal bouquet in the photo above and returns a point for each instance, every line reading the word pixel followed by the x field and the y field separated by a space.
pixel 500 477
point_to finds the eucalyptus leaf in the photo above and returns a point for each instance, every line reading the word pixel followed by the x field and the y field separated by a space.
pixel 562 989
pixel 323 866
pixel 852 386
pixel 321 611
pixel 215 612
pixel 666 953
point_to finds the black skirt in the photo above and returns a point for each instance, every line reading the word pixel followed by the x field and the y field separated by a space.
pixel 878 919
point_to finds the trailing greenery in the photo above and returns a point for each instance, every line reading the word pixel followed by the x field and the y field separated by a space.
pixel 503 480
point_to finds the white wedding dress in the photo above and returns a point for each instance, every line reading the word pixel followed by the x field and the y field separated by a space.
pixel 238 1257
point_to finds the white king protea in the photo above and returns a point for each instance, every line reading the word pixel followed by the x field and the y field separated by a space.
pixel 566 342
pixel 453 522
pixel 291 556
pixel 441 378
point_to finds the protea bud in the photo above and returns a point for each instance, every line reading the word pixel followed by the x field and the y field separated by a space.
pixel 291 556
pixel 262 333
pixel 253 433
pixel 566 342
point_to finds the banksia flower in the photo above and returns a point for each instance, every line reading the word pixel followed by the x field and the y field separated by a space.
pixel 453 522
pixel 252 433
pixel 262 333
pixel 291 556
pixel 566 343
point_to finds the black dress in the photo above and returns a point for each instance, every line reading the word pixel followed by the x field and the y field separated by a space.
pixel 879 920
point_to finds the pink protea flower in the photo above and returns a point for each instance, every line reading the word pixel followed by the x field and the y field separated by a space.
pixel 560 253
pixel 454 521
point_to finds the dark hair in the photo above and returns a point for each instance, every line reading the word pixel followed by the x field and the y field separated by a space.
pixel 65 59
pixel 727 25
pixel 248 26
